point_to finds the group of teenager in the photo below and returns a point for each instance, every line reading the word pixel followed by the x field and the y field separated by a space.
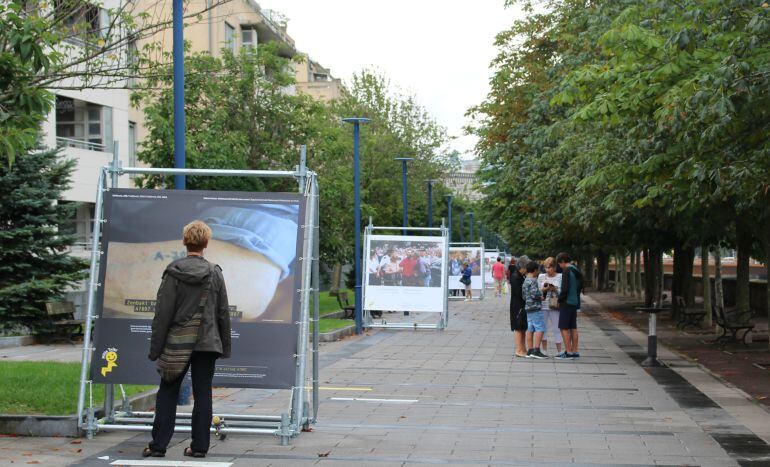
pixel 408 267
pixel 545 299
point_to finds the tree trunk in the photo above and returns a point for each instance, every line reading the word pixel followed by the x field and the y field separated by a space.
pixel 632 274
pixel 661 277
pixel 687 271
pixel 601 268
pixel 639 288
pixel 767 269
pixel 676 280
pixel 705 274
pixel 742 285
pixel 617 272
pixel 589 271
pixel 719 294
pixel 622 270
pixel 651 278
pixel 607 272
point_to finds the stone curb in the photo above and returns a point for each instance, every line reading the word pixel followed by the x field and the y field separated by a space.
pixel 16 341
pixel 337 334
pixel 62 425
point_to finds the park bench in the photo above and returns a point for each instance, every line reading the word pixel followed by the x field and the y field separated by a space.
pixel 731 324
pixel 62 315
pixel 688 316
pixel 349 311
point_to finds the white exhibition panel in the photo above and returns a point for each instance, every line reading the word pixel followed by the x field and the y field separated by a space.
pixel 473 256
pixel 490 257
pixel 405 273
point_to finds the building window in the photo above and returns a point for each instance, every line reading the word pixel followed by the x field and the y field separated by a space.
pixel 79 17
pixel 249 38
pixel 230 41
pixel 80 224
pixel 80 124
pixel 132 146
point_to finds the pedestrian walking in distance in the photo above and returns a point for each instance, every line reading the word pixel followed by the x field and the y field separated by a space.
pixel 191 329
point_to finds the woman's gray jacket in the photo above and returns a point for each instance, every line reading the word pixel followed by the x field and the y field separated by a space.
pixel 179 295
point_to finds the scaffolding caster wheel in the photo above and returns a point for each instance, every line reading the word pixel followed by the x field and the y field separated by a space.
pixel 219 423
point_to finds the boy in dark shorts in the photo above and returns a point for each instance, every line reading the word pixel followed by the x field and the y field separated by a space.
pixel 569 303
pixel 533 299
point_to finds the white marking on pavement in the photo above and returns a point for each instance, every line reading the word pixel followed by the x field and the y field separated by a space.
pixel 363 399
pixel 171 463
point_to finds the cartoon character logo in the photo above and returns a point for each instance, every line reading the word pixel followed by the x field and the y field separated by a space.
pixel 111 357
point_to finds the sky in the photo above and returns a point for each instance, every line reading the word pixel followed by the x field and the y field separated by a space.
pixel 437 50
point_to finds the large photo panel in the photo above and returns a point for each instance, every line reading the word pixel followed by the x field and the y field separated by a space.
pixel 405 273
pixel 490 257
pixel 458 256
pixel 256 240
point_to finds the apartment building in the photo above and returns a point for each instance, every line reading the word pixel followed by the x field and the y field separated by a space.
pixel 464 181
pixel 90 124
pixel 316 81
pixel 86 123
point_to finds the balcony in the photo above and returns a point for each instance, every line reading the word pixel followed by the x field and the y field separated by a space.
pixel 62 142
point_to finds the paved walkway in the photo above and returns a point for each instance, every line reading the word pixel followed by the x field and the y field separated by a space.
pixel 457 397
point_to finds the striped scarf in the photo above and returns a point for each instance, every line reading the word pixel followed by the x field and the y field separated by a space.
pixel 181 340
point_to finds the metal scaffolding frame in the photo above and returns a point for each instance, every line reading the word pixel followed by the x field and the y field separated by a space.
pixel 298 414
pixel 443 322
pixel 483 289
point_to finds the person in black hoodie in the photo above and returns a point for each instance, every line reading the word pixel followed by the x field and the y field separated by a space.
pixel 518 315
pixel 191 328
pixel 569 304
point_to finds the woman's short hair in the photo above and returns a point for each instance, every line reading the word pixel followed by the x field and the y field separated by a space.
pixel 549 262
pixel 196 235
pixel 532 266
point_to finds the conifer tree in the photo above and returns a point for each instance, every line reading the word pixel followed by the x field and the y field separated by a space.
pixel 35 266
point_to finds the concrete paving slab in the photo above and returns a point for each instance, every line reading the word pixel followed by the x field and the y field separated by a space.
pixel 464 399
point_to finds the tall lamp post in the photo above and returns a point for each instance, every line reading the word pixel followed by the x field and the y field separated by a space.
pixel 179 124
pixel 462 226
pixel 470 224
pixel 404 194
pixel 357 121
pixel 430 201
pixel 449 215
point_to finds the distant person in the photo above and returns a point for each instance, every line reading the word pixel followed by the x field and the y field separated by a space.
pixel 466 280
pixel 498 274
pixel 550 284
pixel 518 315
pixel 191 328
pixel 533 299
pixel 569 303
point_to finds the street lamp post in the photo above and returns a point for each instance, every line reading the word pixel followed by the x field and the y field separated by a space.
pixel 462 226
pixel 449 215
pixel 470 223
pixel 357 121
pixel 179 124
pixel 430 201
pixel 404 195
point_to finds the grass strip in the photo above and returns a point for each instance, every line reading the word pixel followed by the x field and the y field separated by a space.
pixel 47 388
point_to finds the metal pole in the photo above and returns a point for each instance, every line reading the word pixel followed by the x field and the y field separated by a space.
pixel 316 293
pixel 179 124
pixel 430 202
pixel 449 216
pixel 404 191
pixel 92 285
pixel 356 121
pixel 470 222
pixel 462 226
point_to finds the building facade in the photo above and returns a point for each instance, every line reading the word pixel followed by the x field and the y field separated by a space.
pixel 464 182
